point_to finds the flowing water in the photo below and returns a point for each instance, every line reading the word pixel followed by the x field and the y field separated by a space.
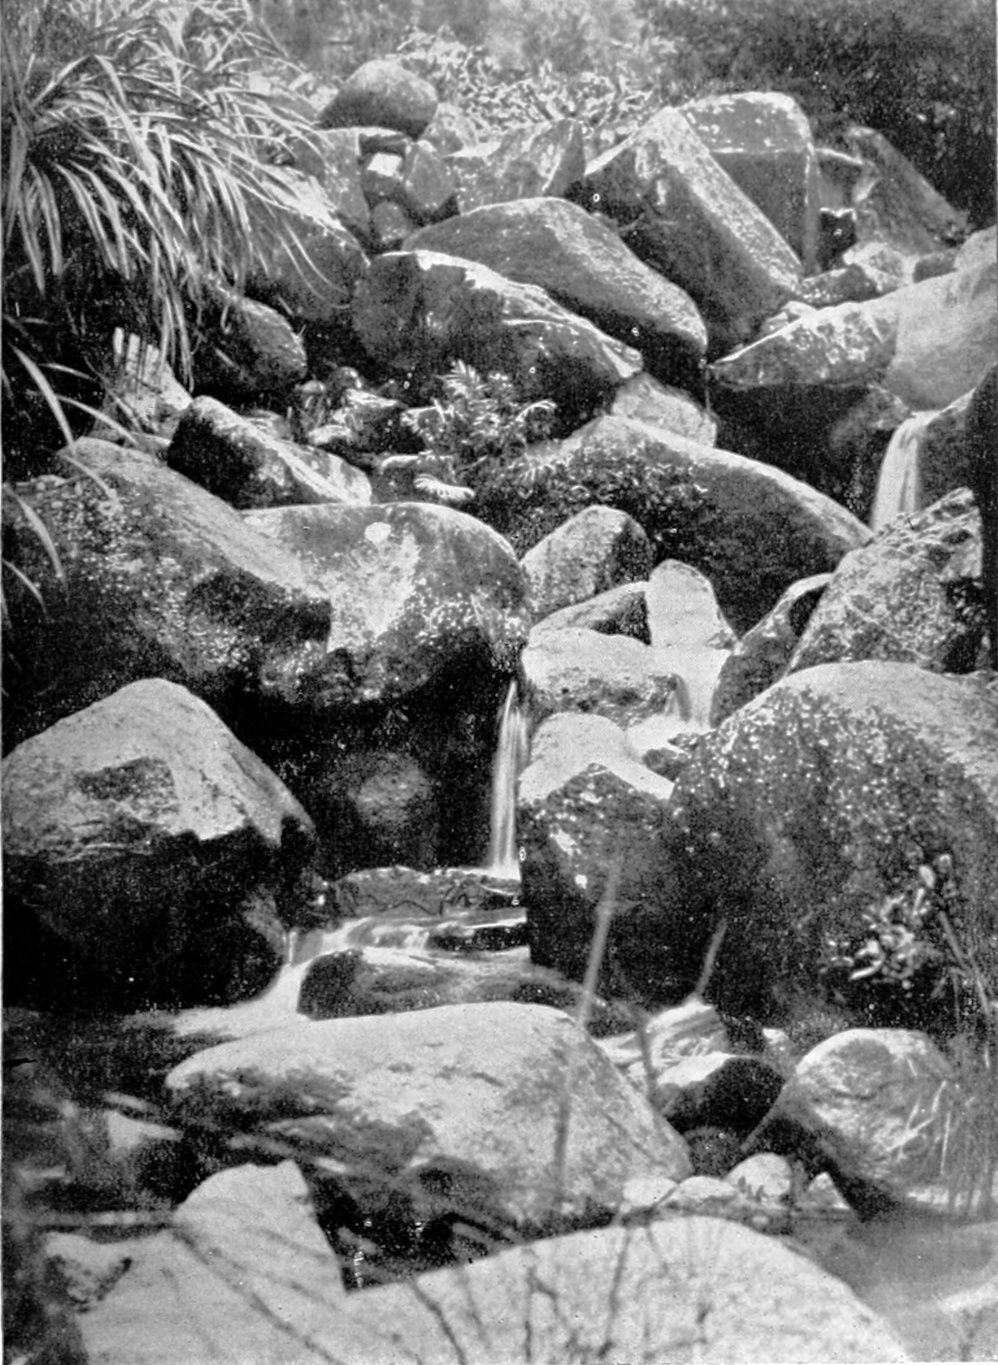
pixel 899 483
pixel 510 760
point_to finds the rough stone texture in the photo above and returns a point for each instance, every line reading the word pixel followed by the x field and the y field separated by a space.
pixel 413 592
pixel 619 611
pixel 912 594
pixel 752 531
pixel 333 157
pixel 459 1105
pixel 440 894
pixel 317 285
pixel 819 800
pixel 231 457
pixel 681 213
pixel 896 205
pixel 944 460
pixel 162 579
pixel 605 675
pixel 585 267
pixel 764 143
pixel 428 189
pixel 761 656
pixel 590 819
pixel 597 549
pixel 253 354
pixel 852 283
pixel 646 400
pixel 883 1111
pixel 538 159
pixel 136 828
pixel 418 311
pixel 385 94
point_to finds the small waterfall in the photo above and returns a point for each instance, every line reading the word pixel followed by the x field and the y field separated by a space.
pixel 509 762
pixel 899 483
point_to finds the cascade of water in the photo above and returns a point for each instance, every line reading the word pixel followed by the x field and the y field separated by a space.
pixel 899 482
pixel 510 760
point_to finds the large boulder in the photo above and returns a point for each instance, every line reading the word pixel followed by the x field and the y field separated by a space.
pixel 597 549
pixel 894 203
pixel 912 594
pixel 414 594
pixel 763 141
pixel 679 211
pixel 418 311
pixel 829 821
pixel 474 1129
pixel 618 611
pixel 534 159
pixel 384 94
pixel 585 267
pixel 604 675
pixel 646 400
pixel 137 830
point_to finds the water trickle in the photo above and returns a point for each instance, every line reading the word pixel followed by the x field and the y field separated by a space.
pixel 510 760
pixel 899 482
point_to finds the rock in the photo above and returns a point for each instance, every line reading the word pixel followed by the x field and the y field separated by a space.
pixel 856 790
pixel 450 129
pixel 390 225
pixel 440 894
pixel 414 591
pixel 136 829
pixel 894 203
pixel 589 818
pixel 593 551
pixel 618 611
pixel 473 1129
pixel 333 157
pixel 418 311
pixel 380 805
pixel 535 159
pixel 765 1177
pixel 677 210
pixel 978 249
pixel 88 1269
pixel 883 1112
pixel 763 141
pixel 232 458
pixel 664 1039
pixel 852 283
pixel 381 178
pixel 252 354
pixel 645 400
pixel 146 391
pixel 910 595
pixel 761 656
pixel 716 1090
pixel 943 459
pixel 605 675
pixel 383 93
pixel 162 578
pixel 428 191
pixel 704 1193
pixel 982 416
pixel 688 633
pixel 316 285
pixel 586 268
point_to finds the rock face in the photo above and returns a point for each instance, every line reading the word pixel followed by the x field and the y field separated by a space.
pixel 385 95
pixel 605 675
pixel 137 829
pixel 534 159
pixel 680 212
pixel 473 1129
pixel 813 809
pixel 597 549
pixel 585 267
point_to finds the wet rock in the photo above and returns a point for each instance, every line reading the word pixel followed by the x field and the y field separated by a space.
pixel 417 311
pixel 414 591
pixel 597 549
pixel 381 804
pixel 763 141
pixel 472 1130
pixel 676 209
pixel 854 790
pixel 586 268
pixel 910 595
pixel 643 399
pixel 253 353
pixel 605 675
pixel 761 656
pixel 618 611
pixel 135 831
pixel 383 93
pixel 231 457
pixel 526 162
pixel 444 892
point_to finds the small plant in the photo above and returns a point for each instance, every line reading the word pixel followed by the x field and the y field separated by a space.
pixel 479 421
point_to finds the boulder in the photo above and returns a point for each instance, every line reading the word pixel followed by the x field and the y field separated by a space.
pixel 385 94
pixel 894 203
pixel 855 282
pixel 848 801
pixel 439 895
pixel 605 675
pixel 679 211
pixel 644 399
pixel 586 268
pixel 418 311
pixel 763 141
pixel 619 611
pixel 314 282
pixel 474 1129
pixel 231 457
pixel 161 579
pixel 884 1112
pixel 691 1029
pixel 716 1090
pixel 942 456
pixel 761 656
pixel 332 156
pixel 414 592
pixel 912 594
pixel 137 830
pixel 428 191
pixel 597 549
pixel 249 354
pixel 590 820
pixel 525 162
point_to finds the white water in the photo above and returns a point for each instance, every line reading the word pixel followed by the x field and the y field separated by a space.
pixel 899 483
pixel 510 760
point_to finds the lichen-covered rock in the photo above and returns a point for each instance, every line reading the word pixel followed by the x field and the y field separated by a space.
pixel 234 459
pixel 679 211
pixel 912 594
pixel 382 93
pixel 605 675
pixel 597 549
pixel 644 399
pixel 536 159
pixel 137 829
pixel 619 611
pixel 585 267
